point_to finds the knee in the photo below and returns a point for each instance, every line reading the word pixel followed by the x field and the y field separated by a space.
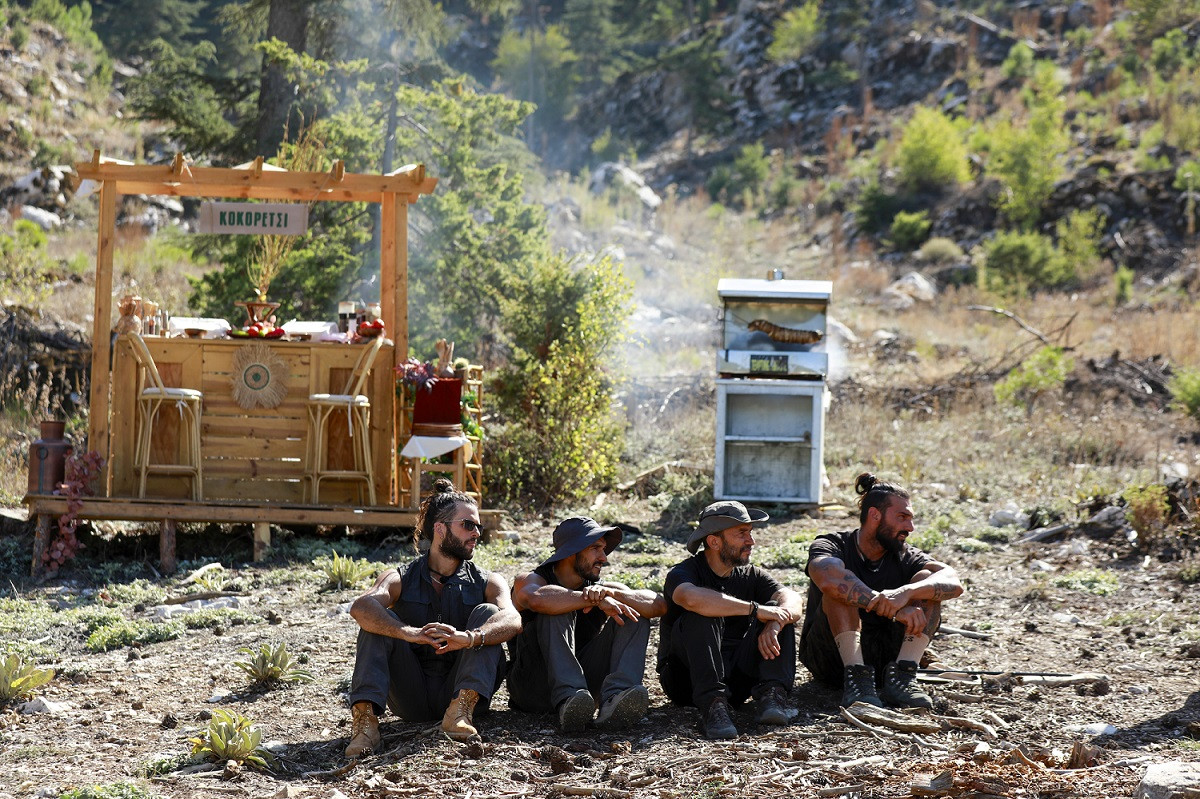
pixel 481 613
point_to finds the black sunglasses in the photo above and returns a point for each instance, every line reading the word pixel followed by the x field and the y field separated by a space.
pixel 470 524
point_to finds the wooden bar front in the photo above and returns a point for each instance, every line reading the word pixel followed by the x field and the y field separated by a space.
pixel 251 454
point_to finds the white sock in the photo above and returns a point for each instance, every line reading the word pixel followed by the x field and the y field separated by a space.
pixel 913 647
pixel 849 646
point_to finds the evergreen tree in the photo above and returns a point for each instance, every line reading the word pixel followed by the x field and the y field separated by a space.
pixel 595 40
pixel 128 27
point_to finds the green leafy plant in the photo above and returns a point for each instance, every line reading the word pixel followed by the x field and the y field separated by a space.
pixel 272 663
pixel 343 572
pixel 1101 582
pixel 1146 509
pixel 909 229
pixel 796 31
pixel 1185 391
pixel 231 736
pixel 19 679
pixel 116 790
pixel 940 250
pixel 126 633
pixel 932 153
pixel 1042 372
pixel 1078 235
pixel 1018 262
pixel 1019 62
pixel 1122 285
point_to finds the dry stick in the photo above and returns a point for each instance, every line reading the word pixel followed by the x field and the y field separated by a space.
pixel 887 718
pixel 992 717
pixel 1083 678
pixel 838 790
pixel 337 772
pixel 948 630
pixel 878 734
pixel 179 600
pixel 960 697
pixel 580 790
pixel 949 722
pixel 1020 322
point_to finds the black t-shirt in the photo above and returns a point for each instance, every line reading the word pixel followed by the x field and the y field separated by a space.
pixel 748 583
pixel 891 571
pixel 587 625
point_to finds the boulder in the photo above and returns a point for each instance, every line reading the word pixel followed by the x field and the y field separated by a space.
pixel 916 286
pixel 610 173
pixel 1168 780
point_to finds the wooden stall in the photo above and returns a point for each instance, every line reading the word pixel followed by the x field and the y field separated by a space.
pixel 253 460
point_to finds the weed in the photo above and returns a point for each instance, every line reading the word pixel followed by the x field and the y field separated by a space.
pixel 1189 572
pixel 910 229
pixel 972 546
pixel 996 535
pixel 941 250
pixel 1044 371
pixel 649 544
pixel 804 537
pixel 1101 582
pixel 637 582
pixel 231 736
pixel 784 556
pixel 344 572
pixel 137 592
pixel 927 540
pixel 647 559
pixel 272 663
pixel 209 618
pixel 1185 391
pixel 126 633
pixel 1122 285
pixel 162 764
pixel 1146 509
pixel 94 617
pixel 19 679
pixel 116 790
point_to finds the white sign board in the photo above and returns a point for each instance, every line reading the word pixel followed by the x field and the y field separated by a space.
pixel 279 219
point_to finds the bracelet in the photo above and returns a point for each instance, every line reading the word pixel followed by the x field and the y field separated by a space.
pixel 753 610
pixel 482 639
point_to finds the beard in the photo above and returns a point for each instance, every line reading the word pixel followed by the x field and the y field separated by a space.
pixel 733 555
pixel 585 573
pixel 451 547
pixel 889 539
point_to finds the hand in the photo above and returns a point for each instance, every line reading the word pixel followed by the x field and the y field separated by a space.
pixel 592 594
pixel 768 640
pixel 885 605
pixel 913 618
pixel 770 613
pixel 615 610
pixel 445 638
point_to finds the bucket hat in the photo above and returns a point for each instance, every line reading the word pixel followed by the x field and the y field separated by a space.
pixel 721 516
pixel 577 533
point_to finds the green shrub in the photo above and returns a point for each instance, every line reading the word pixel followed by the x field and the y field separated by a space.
pixel 1169 53
pixel 19 679
pixel 231 736
pixel 941 250
pixel 1043 371
pixel 1019 62
pixel 927 540
pixel 909 229
pixel 343 572
pixel 24 264
pixel 784 556
pixel 1017 263
pixel 1146 509
pixel 1078 235
pixel 1122 285
pixel 1185 391
pixel 272 663
pixel 972 546
pixel 211 618
pixel 932 153
pixel 876 208
pixel 19 35
pixel 746 175
pixel 795 32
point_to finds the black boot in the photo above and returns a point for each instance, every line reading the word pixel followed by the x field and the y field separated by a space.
pixel 858 685
pixel 900 686
pixel 718 724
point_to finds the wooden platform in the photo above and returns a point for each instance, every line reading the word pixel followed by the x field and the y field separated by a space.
pixel 169 512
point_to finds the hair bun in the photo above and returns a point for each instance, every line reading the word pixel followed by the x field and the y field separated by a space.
pixel 443 486
pixel 865 482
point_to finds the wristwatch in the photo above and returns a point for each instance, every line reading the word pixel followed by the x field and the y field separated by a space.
pixel 753 609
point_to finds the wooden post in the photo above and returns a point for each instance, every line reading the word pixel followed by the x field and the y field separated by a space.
pixel 393 299
pixel 166 547
pixel 41 540
pixel 262 540
pixel 98 407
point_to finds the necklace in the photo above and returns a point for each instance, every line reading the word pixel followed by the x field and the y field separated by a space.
pixel 870 564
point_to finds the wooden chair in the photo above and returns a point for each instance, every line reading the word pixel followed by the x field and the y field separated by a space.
pixel 357 406
pixel 154 397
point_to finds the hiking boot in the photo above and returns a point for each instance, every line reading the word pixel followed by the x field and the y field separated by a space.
pixel 364 730
pixel 576 711
pixel 858 685
pixel 900 686
pixel 457 721
pixel 624 708
pixel 772 707
pixel 718 725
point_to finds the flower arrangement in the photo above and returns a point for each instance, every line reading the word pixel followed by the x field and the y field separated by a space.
pixel 417 374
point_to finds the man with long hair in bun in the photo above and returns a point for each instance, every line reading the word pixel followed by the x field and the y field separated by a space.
pixel 873 602
pixel 429 646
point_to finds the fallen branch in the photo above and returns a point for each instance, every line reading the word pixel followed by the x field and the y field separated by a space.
pixel 1039 335
pixel 957 722
pixel 955 696
pixel 336 772
pixel 887 718
pixel 203 595
pixel 948 630
pixel 1043 533
pixel 838 790
pixel 1083 678
pixel 932 785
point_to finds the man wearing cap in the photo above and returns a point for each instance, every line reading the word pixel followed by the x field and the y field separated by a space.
pixel 873 602
pixel 728 632
pixel 583 641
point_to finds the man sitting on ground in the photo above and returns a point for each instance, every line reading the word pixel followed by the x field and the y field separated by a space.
pixel 874 602
pixel 430 643
pixel 729 630
pixel 583 641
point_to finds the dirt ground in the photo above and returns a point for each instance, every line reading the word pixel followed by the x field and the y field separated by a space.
pixel 131 707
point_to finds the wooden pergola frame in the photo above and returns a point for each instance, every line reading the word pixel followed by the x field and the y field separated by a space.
pixel 253 181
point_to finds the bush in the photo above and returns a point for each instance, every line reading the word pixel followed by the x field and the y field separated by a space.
pixel 1078 235
pixel 1185 391
pixel 1021 262
pixel 876 208
pixel 343 572
pixel 126 633
pixel 1019 62
pixel 746 175
pixel 1101 582
pixel 941 250
pixel 272 664
pixel 1146 509
pixel 116 790
pixel 231 736
pixel 24 263
pixel 932 154
pixel 795 32
pixel 19 679
pixel 560 437
pixel 1044 371
pixel 1122 285
pixel 909 229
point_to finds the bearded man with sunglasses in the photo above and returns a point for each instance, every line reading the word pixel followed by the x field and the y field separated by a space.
pixel 430 639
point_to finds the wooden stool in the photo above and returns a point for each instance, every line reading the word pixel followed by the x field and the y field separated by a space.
pixel 357 407
pixel 153 397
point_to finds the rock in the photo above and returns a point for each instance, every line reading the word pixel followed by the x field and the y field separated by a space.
pixel 1167 780
pixel 46 220
pixel 610 173
pixel 1067 618
pixel 1095 728
pixel 1010 514
pixel 917 286
pixel 1041 566
pixel 40 705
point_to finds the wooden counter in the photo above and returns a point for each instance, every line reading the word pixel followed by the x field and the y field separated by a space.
pixel 250 454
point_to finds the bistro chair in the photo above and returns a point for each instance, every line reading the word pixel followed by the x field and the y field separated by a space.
pixel 357 407
pixel 153 398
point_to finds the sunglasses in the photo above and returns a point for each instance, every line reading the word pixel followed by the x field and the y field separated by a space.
pixel 470 524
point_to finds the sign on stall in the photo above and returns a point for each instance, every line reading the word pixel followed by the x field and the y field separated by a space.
pixel 279 219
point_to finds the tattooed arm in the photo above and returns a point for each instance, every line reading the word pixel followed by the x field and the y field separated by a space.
pixel 837 582
pixel 939 583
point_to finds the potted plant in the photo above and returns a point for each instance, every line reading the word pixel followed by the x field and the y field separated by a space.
pixel 436 401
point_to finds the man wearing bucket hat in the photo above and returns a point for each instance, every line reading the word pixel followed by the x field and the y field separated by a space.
pixel 873 602
pixel 583 641
pixel 729 629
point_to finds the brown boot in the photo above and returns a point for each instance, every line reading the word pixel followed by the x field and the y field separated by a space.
pixel 457 721
pixel 364 730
